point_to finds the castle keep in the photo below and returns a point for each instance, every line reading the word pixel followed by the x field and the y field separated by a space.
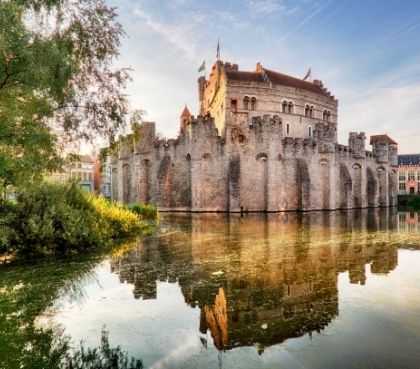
pixel 263 141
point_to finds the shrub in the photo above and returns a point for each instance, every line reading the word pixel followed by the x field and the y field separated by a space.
pixel 414 202
pixel 52 218
pixel 121 221
pixel 7 217
pixel 145 211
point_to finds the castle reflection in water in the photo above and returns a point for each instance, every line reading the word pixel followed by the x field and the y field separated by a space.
pixel 259 280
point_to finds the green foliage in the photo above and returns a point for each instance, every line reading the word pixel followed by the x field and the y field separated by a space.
pixel 24 344
pixel 145 211
pixel 104 357
pixel 55 66
pixel 52 218
pixel 414 202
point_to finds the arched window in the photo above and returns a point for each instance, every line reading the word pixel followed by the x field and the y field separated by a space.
pixel 284 107
pixel 310 131
pixel 246 103
pixel 254 103
pixel 311 111
pixel 307 110
pixel 290 110
pixel 287 129
pixel 326 115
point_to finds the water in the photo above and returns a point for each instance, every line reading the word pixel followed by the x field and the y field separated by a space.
pixel 318 290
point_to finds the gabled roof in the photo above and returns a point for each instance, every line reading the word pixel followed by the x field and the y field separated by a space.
pixel 285 80
pixel 382 139
pixel 263 75
pixel 412 159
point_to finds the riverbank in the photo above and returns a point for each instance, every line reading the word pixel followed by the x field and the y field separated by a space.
pixel 60 219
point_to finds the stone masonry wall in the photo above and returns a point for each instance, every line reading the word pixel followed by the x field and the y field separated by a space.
pixel 254 168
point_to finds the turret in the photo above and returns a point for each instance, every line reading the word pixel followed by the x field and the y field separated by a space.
pixel 385 149
pixel 357 144
pixel 325 134
pixel 185 118
pixel 201 90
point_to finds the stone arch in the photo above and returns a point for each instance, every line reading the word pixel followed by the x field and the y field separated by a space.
pixel 262 175
pixel 261 156
pixel 233 186
pixel 371 187
pixel 345 188
pixel 165 181
pixel 246 103
pixel 383 186
pixel 206 156
pixel 145 185
pixel 325 183
pixel 253 103
pixel 357 186
pixel 126 182
pixel 303 185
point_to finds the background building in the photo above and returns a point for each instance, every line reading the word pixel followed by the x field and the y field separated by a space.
pixel 106 176
pixel 82 170
pixel 409 174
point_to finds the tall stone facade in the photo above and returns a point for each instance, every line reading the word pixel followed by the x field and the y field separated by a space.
pixel 263 142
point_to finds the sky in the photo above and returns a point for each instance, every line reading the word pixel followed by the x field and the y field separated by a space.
pixel 367 53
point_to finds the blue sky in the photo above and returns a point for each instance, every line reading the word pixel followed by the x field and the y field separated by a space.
pixel 366 52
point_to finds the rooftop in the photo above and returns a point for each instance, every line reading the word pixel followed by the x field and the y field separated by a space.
pixel 263 75
pixel 411 159
pixel 383 139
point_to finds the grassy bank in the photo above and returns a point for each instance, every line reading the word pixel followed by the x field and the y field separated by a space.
pixel 50 219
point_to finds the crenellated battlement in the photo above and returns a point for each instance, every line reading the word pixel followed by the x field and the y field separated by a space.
pixel 263 141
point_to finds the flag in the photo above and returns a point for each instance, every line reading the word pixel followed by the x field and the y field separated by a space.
pixel 308 75
pixel 202 67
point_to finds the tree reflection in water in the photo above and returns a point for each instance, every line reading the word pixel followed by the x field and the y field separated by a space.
pixel 261 280
pixel 26 291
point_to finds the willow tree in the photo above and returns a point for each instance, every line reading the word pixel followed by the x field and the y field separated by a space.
pixel 56 76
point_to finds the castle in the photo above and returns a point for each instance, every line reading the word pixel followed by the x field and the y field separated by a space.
pixel 263 141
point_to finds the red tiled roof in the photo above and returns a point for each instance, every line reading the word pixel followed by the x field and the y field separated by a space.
pixel 186 113
pixel 382 138
pixel 276 78
pixel 245 76
pixel 285 80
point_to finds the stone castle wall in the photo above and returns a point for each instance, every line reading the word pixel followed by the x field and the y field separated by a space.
pixel 253 168
pixel 248 152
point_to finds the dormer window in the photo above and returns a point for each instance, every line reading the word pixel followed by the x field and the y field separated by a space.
pixel 246 103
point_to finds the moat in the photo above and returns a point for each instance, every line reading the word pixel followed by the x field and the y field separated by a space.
pixel 314 290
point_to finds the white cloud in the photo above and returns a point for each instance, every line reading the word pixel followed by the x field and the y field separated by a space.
pixel 266 6
pixel 180 36
pixel 394 111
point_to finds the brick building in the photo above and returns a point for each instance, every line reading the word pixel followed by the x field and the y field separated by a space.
pixel 409 174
